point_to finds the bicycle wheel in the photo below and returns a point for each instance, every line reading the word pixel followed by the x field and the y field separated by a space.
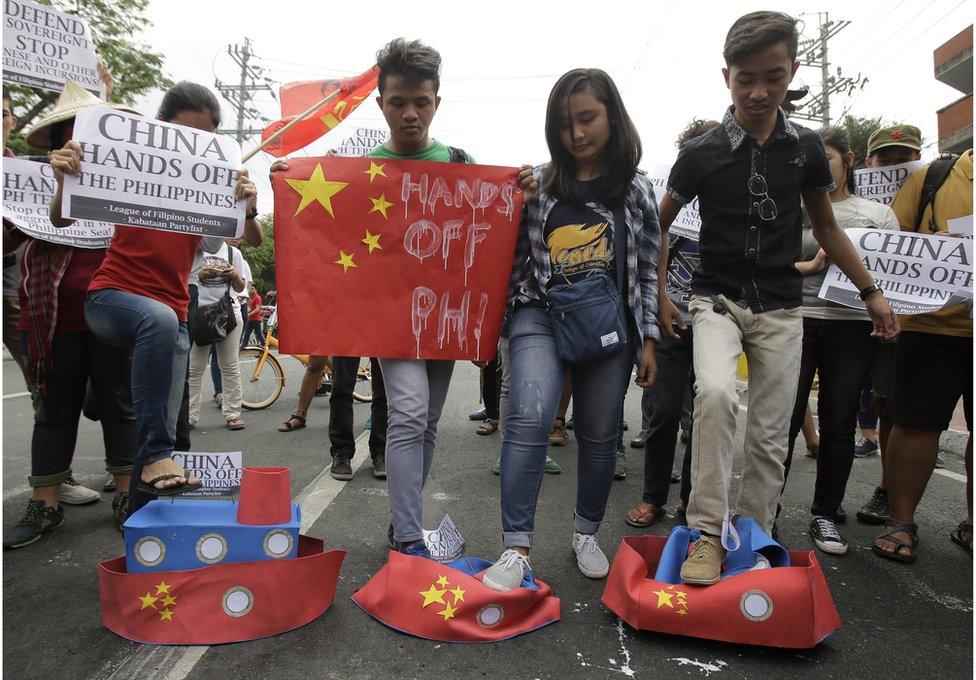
pixel 363 389
pixel 260 390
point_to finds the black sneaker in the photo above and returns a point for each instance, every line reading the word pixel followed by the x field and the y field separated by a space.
pixel 341 468
pixel 840 517
pixel 120 508
pixel 826 536
pixel 39 519
pixel 379 466
pixel 876 510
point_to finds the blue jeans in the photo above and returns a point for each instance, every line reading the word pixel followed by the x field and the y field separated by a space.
pixel 160 346
pixel 536 382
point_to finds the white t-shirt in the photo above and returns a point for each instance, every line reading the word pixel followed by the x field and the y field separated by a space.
pixel 851 213
pixel 211 290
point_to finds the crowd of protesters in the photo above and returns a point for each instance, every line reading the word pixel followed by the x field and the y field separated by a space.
pixel 112 330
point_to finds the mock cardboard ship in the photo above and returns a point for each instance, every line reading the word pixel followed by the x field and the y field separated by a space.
pixel 767 595
pixel 202 572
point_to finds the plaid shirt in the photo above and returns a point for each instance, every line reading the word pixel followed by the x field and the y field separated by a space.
pixel 531 269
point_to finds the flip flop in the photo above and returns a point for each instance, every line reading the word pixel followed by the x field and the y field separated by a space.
pixel 957 537
pixel 647 516
pixel 151 489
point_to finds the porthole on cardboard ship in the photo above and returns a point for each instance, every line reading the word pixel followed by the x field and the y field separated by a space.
pixel 756 605
pixel 277 543
pixel 150 551
pixel 237 601
pixel 211 548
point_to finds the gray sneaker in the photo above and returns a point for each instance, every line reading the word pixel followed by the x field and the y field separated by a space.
pixel 589 558
pixel 620 472
pixel 73 493
pixel 507 573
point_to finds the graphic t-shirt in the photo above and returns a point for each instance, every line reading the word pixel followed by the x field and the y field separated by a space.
pixel 582 239
pixel 683 260
pixel 212 289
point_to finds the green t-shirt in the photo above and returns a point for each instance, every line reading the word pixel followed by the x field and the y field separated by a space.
pixel 435 152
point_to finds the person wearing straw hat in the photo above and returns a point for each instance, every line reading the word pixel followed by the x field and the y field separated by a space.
pixel 63 356
pixel 139 298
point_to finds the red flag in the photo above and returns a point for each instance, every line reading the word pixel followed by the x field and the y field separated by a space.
pixel 396 259
pixel 297 98
pixel 221 603
pixel 433 601
pixel 778 607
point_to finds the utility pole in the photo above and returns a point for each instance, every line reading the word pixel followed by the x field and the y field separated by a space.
pixel 813 52
pixel 241 96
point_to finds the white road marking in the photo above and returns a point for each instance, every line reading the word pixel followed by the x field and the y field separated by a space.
pixel 951 475
pixel 175 663
pixel 16 394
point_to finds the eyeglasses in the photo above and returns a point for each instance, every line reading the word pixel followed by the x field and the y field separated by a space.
pixel 759 189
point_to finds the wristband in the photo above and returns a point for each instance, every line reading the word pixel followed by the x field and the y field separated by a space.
pixel 252 213
pixel 873 288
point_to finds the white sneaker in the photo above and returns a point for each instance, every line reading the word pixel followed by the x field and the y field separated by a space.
pixel 73 493
pixel 589 558
pixel 507 573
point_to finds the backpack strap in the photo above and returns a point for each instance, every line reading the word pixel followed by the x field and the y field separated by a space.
pixel 458 155
pixel 935 176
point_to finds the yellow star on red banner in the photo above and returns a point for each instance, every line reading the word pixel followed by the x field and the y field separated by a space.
pixel 432 595
pixel 162 587
pixel 663 598
pixel 316 188
pixel 374 170
pixel 448 612
pixel 442 581
pixel 148 601
pixel 345 259
pixel 166 615
pixel 373 241
pixel 458 595
pixel 380 205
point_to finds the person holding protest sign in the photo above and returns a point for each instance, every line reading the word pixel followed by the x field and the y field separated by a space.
pixel 138 298
pixel 887 146
pixel 837 347
pixel 219 273
pixel 663 404
pixel 933 369
pixel 589 234
pixel 63 356
pixel 749 176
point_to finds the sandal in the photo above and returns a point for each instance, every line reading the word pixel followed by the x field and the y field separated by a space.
pixel 151 489
pixel 648 515
pixel 488 426
pixel 235 424
pixel 963 536
pixel 298 416
pixel 892 528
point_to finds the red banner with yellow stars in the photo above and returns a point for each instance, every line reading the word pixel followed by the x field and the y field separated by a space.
pixel 776 607
pixel 427 599
pixel 299 97
pixel 393 259
pixel 220 603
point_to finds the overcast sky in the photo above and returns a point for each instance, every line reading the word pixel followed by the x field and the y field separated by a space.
pixel 501 60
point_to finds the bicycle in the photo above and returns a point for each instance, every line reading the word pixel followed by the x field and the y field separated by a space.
pixel 263 376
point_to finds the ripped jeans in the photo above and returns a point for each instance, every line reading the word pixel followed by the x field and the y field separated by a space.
pixel 536 383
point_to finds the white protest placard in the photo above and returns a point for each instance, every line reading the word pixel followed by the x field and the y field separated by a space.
pixel 882 184
pixel 688 222
pixel 919 273
pixel 445 543
pixel 28 187
pixel 220 472
pixel 146 173
pixel 961 226
pixel 362 141
pixel 44 48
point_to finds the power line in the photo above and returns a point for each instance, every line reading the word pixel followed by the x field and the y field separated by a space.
pixel 241 96
pixel 888 55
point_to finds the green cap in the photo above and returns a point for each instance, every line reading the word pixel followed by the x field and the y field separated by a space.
pixel 908 136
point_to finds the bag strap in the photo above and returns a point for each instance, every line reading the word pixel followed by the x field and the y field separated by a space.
pixel 935 176
pixel 458 155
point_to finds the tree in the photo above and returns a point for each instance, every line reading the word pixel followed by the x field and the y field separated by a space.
pixel 859 130
pixel 135 68
pixel 262 258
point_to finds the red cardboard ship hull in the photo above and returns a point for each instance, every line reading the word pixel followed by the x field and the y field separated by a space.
pixel 221 603
pixel 781 607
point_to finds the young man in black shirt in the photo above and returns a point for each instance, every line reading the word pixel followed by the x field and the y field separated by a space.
pixel 749 175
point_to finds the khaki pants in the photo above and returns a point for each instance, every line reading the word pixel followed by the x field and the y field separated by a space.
pixel 772 342
pixel 230 372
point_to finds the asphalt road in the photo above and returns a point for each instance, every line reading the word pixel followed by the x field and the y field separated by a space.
pixel 912 621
